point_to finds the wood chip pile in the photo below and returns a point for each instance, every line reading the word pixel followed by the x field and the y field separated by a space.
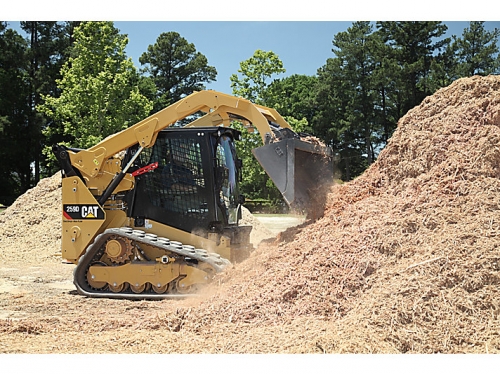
pixel 406 256
pixel 31 227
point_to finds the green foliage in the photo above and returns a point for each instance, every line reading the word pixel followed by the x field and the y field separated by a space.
pixel 99 89
pixel 15 152
pixel 176 68
pixel 347 96
pixel 252 84
pixel 298 125
pixel 477 51
pixel 255 75
pixel 293 97
pixel 386 81
pixel 444 68
pixel 48 47
pixel 373 80
pixel 414 44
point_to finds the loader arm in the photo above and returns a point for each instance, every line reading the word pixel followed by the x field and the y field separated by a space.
pixel 219 106
pixel 252 115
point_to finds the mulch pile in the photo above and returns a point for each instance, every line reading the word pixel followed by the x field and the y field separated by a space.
pixel 405 258
pixel 30 229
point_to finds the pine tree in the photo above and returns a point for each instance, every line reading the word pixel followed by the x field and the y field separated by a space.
pixel 176 68
pixel 477 51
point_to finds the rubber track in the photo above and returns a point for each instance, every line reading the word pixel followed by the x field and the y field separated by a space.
pixel 95 251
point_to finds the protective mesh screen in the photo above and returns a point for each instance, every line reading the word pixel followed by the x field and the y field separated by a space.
pixel 178 184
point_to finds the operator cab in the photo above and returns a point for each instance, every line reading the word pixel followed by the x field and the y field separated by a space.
pixel 195 186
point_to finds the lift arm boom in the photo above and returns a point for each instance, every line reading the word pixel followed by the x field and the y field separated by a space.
pixel 218 106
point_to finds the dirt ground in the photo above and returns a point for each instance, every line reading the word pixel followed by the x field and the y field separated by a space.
pixel 53 277
pixel 41 312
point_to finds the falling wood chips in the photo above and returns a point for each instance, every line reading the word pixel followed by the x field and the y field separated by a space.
pixel 405 258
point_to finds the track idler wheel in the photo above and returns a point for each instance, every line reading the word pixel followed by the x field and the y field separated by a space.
pixel 158 288
pixel 138 288
pixel 90 278
pixel 184 289
pixel 117 288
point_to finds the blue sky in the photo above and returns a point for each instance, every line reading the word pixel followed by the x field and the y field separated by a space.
pixel 303 46
pixel 228 32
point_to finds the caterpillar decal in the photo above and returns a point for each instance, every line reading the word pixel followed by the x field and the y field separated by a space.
pixel 82 211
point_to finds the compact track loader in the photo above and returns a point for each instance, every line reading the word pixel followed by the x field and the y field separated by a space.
pixel 153 211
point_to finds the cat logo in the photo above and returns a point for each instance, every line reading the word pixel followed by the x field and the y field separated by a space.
pixel 82 211
pixel 89 211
